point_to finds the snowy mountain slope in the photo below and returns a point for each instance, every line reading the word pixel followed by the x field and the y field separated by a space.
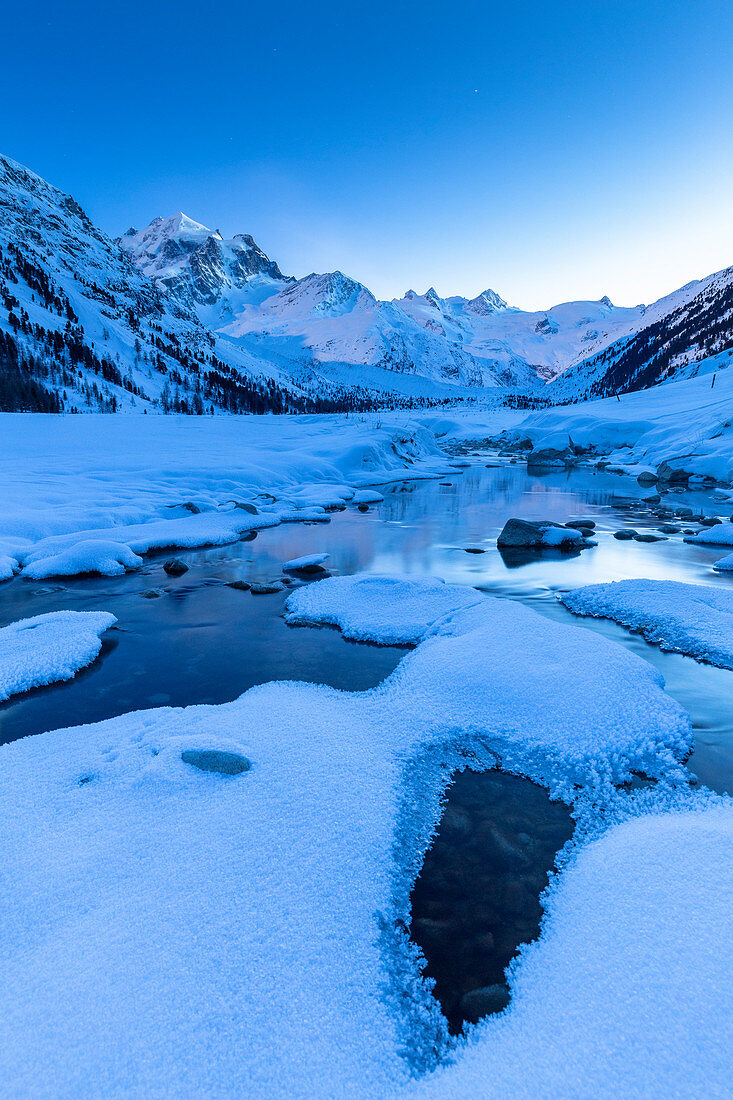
pixel 320 320
pixel 544 342
pixel 336 320
pixel 671 339
pixel 82 327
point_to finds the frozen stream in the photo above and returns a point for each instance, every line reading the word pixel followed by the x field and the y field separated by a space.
pixel 194 639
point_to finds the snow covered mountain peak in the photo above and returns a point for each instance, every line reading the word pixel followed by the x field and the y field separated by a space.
pixel 485 303
pixel 194 263
pixel 332 294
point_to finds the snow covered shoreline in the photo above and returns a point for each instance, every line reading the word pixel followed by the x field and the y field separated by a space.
pixel 124 486
pixel 88 494
pixel 685 423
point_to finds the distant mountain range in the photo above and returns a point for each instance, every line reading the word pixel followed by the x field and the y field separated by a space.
pixel 174 317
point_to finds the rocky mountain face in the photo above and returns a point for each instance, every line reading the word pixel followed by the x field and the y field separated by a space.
pixel 193 264
pixel 175 317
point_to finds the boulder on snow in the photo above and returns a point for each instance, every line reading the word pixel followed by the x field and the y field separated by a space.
pixel 214 760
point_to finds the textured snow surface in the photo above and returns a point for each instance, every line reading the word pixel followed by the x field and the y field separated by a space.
pixel 696 619
pixel 48 648
pixel 626 993
pixel 169 931
pixel 388 610
pixel 724 565
pixel 592 703
pixel 720 535
pixel 86 556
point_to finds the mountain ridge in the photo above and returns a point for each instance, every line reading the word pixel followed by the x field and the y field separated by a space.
pixel 174 317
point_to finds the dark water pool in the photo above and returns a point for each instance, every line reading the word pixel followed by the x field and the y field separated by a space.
pixel 477 896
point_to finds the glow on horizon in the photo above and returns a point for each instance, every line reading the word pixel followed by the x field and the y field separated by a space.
pixel 551 153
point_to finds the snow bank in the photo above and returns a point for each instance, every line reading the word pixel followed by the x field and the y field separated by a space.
pixel 150 483
pixel 720 535
pixel 88 556
pixel 724 565
pixel 49 648
pixel 625 992
pixel 387 610
pixel 172 931
pixel 682 422
pixel 695 619
pixel 482 653
pixel 305 562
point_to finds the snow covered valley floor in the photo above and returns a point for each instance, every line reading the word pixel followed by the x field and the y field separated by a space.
pixel 194 639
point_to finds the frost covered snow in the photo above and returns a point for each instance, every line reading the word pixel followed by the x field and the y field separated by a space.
pixel 169 930
pixel 48 648
pixel 719 535
pixel 696 619
pixel 304 562
pixel 724 565
pixel 685 422
pixel 387 610
pixel 625 992
pixel 86 556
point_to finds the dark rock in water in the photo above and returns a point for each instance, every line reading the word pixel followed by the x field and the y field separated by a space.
pixel 689 530
pixel 647 537
pixel 710 521
pixel 242 586
pixel 620 501
pixel 484 1001
pixel 580 521
pixel 174 567
pixel 625 535
pixel 584 528
pixel 474 550
pixel 287 580
pixel 550 456
pixel 151 594
pixel 213 760
pixel 530 533
pixel 652 498
pixel 363 507
pixel 683 512
pixel 675 475
pixel 646 477
pixel 266 589
pixel 669 529
pixel 311 569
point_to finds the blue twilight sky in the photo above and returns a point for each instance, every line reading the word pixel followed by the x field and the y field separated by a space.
pixel 548 150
